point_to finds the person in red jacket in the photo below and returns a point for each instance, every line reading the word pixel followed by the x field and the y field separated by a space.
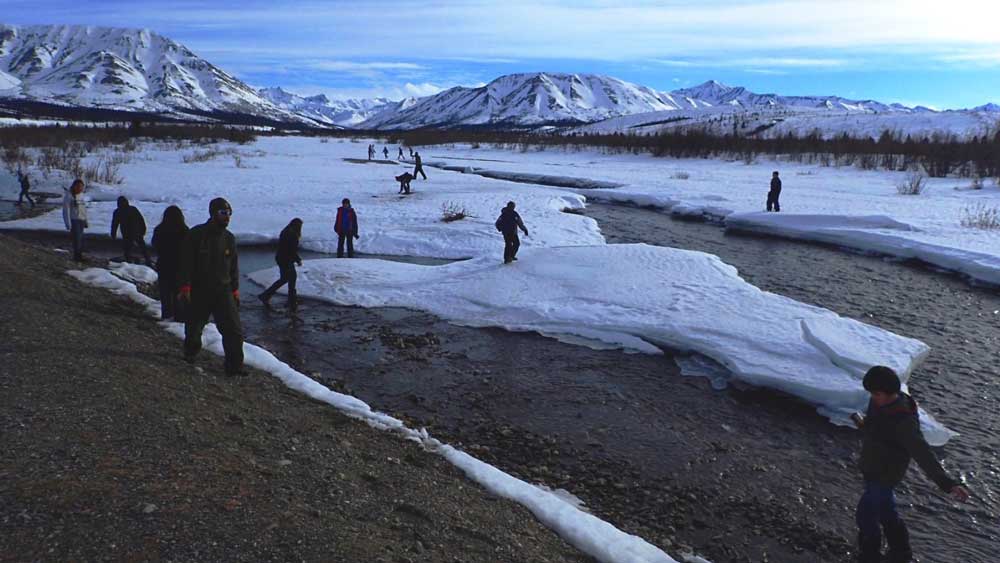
pixel 346 227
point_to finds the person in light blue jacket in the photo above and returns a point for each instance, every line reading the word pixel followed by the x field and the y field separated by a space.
pixel 75 216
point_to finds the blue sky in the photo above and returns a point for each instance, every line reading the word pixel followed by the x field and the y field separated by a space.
pixel 940 54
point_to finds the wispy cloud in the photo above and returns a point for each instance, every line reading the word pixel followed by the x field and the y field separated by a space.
pixel 351 66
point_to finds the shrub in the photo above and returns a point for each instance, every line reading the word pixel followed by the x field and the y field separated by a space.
pixel 201 156
pixel 977 183
pixel 451 211
pixel 981 216
pixel 914 184
pixel 680 175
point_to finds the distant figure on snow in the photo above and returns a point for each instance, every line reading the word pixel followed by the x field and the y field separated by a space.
pixel 400 157
pixel 133 228
pixel 25 182
pixel 385 152
pixel 75 216
pixel 891 436
pixel 411 151
pixel 168 238
pixel 418 167
pixel 286 258
pixel 508 223
pixel 772 196
pixel 404 182
pixel 209 278
pixel 346 227
pixel 371 152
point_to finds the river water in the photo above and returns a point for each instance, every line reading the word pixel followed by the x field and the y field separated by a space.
pixel 737 474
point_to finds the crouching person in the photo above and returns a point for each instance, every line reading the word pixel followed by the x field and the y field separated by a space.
pixel 891 437
pixel 209 279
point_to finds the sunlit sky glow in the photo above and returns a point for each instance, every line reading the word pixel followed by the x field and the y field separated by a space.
pixel 939 54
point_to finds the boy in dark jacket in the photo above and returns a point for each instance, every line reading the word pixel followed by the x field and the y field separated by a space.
pixel 508 223
pixel 133 228
pixel 286 258
pixel 209 277
pixel 891 437
pixel 346 227
pixel 25 182
pixel 774 193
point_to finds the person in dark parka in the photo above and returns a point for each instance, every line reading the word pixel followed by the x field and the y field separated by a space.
pixel 286 258
pixel 418 167
pixel 346 227
pixel 209 278
pixel 25 182
pixel 133 228
pixel 404 182
pixel 774 193
pixel 400 157
pixel 385 152
pixel 168 238
pixel 508 223
pixel 891 437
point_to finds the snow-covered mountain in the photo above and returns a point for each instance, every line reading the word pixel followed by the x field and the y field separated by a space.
pixel 342 113
pixel 713 93
pixel 526 100
pixel 123 69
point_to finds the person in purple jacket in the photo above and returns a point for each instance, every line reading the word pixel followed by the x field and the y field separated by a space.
pixel 346 227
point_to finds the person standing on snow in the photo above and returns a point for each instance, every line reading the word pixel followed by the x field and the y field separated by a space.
pixel 418 167
pixel 508 223
pixel 891 437
pixel 25 182
pixel 75 216
pixel 772 196
pixel 346 227
pixel 168 238
pixel 209 278
pixel 385 152
pixel 286 258
pixel 133 229
pixel 400 157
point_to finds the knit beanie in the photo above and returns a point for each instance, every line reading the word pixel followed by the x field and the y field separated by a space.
pixel 881 378
pixel 217 204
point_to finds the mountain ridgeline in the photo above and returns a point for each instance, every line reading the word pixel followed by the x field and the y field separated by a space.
pixel 53 70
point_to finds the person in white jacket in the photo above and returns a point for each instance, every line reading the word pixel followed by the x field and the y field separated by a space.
pixel 75 216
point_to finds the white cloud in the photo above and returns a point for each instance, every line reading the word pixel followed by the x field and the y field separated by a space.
pixel 351 66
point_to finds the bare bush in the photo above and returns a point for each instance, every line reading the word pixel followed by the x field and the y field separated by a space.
pixel 914 184
pixel 680 175
pixel 102 171
pixel 981 216
pixel 202 156
pixel 977 183
pixel 451 211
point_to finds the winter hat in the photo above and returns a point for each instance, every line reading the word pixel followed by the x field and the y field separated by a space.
pixel 217 204
pixel 881 378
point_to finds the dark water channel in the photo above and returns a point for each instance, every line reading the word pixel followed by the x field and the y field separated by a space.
pixel 737 475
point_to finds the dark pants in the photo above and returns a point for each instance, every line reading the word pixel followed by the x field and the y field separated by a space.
pixel 170 306
pixel 419 170
pixel 404 187
pixel 76 232
pixel 128 242
pixel 350 246
pixel 289 276
pixel 25 194
pixel 511 244
pixel 877 512
pixel 220 304
pixel 772 200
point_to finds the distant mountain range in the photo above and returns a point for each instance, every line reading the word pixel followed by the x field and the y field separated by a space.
pixel 134 70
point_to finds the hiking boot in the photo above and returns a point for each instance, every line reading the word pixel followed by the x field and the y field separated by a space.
pixel 264 298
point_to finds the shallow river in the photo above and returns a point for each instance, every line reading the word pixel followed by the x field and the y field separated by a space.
pixel 739 474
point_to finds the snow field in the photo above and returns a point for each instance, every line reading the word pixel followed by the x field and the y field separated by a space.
pixel 283 178
pixel 640 297
pixel 587 533
pixel 845 206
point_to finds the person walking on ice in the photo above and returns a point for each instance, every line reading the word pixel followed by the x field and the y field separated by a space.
pixel 774 193
pixel 346 227
pixel 418 167
pixel 508 223
pixel 891 436
pixel 286 258
pixel 75 216
pixel 400 157
pixel 25 183
pixel 133 227
pixel 209 278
